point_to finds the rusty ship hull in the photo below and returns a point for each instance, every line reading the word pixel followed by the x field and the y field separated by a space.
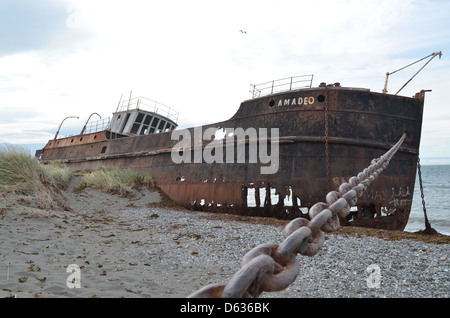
pixel 326 134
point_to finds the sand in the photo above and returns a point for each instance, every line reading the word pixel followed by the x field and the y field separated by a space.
pixel 38 246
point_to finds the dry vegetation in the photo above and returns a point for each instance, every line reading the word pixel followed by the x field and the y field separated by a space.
pixel 22 174
pixel 116 181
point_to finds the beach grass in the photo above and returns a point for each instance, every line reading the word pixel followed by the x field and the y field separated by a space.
pixel 19 172
pixel 22 174
pixel 60 174
pixel 117 181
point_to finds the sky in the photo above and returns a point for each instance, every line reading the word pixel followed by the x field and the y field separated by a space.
pixel 62 58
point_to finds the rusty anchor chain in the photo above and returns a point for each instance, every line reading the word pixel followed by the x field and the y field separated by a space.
pixel 428 228
pixel 273 267
pixel 327 151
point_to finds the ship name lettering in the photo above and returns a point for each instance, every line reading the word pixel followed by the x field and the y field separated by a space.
pixel 297 101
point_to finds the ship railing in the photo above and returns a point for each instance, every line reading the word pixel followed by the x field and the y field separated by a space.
pixel 148 105
pixel 97 126
pixel 281 85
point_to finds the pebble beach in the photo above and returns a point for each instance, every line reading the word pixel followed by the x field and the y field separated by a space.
pixel 137 248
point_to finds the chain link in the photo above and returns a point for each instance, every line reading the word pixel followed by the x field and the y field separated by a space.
pixel 327 151
pixel 421 185
pixel 273 267
pixel 427 223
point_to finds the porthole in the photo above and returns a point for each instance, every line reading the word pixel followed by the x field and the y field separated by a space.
pixel 272 103
pixel 321 98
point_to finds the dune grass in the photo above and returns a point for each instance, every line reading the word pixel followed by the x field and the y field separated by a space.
pixel 19 172
pixel 117 181
pixel 23 174
pixel 60 174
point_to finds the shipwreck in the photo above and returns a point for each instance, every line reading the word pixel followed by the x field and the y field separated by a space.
pixel 282 151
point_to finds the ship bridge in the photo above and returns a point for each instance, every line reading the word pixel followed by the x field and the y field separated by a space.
pixel 143 116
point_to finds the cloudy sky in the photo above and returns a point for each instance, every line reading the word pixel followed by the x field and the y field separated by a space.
pixel 62 58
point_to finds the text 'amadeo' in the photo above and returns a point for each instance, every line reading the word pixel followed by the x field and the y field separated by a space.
pixel 234 140
pixel 297 101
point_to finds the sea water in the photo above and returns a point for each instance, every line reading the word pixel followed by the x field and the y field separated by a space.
pixel 436 188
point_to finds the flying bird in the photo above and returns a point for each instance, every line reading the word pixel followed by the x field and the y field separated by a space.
pixel 243 32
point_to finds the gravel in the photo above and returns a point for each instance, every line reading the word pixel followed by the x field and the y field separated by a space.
pixel 188 250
